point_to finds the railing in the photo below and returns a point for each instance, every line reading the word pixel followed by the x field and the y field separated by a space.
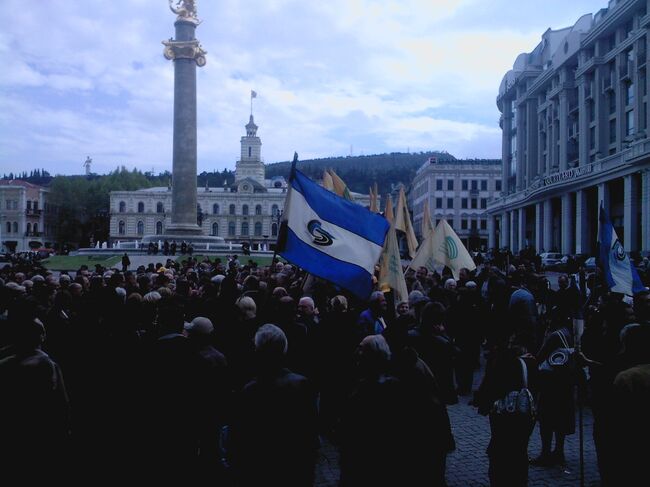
pixel 33 234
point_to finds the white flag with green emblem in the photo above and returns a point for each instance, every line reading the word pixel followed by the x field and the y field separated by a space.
pixel 442 246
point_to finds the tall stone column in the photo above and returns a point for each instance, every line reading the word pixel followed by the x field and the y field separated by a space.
pixel 568 224
pixel 492 237
pixel 505 229
pixel 563 136
pixel 187 53
pixel 539 227
pixel 548 225
pixel 513 231
pixel 521 228
pixel 645 210
pixel 631 226
pixel 583 233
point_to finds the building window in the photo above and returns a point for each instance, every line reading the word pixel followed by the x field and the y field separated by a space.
pixel 612 102
pixel 438 202
pixel 591 110
pixel 450 184
pixel 159 228
pixel 29 228
pixel 483 224
pixel 483 203
pixel 629 94
pixel 8 227
pixel 244 228
pixel 464 184
pixel 629 125
pixel 484 185
pixel 463 224
pixel 463 203
pixel 497 185
pixel 140 228
pixel 15 227
pixel 274 229
pixel 474 185
pixel 439 184
pixel 474 203
pixel 160 208
pixel 612 131
pixel 473 224
pixel 121 228
pixel 35 229
pixel 122 206
pixel 215 209
pixel 274 210
pixel 140 207
pixel 244 210
pixel 215 229
pixel 258 229
pixel 592 137
pixel 231 209
pixel 450 203
pixel 29 204
pixel 258 209
pixel 250 150
pixel 231 229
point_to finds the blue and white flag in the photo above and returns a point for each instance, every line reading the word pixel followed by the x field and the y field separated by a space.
pixel 330 237
pixel 620 274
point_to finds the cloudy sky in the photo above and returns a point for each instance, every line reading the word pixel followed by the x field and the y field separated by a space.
pixel 87 77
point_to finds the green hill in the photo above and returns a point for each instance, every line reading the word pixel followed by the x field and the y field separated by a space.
pixel 361 172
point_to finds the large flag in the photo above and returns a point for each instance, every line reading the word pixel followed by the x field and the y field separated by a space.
pixel 620 274
pixel 427 225
pixel 253 94
pixel 374 199
pixel 388 211
pixel 391 275
pixel 403 223
pixel 340 187
pixel 330 237
pixel 443 246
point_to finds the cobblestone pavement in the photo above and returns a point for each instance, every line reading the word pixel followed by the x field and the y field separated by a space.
pixel 467 466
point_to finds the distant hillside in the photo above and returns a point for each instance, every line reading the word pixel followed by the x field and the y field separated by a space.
pixel 360 172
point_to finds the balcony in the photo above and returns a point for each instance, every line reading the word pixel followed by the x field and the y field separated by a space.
pixel 33 212
pixel 473 192
pixel 33 234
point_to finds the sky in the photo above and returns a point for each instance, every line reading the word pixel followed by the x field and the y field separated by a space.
pixel 88 78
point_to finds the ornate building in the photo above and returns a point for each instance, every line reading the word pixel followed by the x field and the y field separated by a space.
pixel 247 211
pixel 574 116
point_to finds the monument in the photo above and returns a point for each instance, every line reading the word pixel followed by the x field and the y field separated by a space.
pixel 186 53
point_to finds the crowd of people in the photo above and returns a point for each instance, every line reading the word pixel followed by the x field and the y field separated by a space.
pixel 238 373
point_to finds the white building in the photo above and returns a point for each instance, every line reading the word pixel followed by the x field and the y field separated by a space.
pixel 26 217
pixel 459 192
pixel 248 211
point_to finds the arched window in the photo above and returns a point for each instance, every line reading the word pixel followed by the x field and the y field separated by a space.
pixel 231 229
pixel 244 228
pixel 8 227
pixel 231 209
pixel 15 227
pixel 274 210
pixel 215 209
pixel 258 229
pixel 249 151
pixel 122 206
pixel 215 229
pixel 258 209
pixel 35 228
pixel 140 207
pixel 244 210
pixel 274 229
pixel 140 228
pixel 29 228
pixel 121 228
pixel 159 228
pixel 160 208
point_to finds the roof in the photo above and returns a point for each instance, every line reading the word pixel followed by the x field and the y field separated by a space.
pixel 19 183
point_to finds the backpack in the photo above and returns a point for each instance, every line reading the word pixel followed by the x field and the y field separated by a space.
pixel 560 364
pixel 517 404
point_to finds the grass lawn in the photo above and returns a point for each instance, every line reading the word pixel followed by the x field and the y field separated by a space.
pixel 73 262
pixel 243 259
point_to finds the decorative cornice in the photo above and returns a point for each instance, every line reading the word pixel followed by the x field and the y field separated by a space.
pixel 185 50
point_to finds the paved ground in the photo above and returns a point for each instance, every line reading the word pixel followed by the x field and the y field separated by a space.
pixel 467 466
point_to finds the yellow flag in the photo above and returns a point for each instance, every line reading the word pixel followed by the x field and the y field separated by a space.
pixel 327 181
pixel 374 199
pixel 391 275
pixel 403 223
pixel 340 187
pixel 388 212
pixel 427 226
pixel 444 247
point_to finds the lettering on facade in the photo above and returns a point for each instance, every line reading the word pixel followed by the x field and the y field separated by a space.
pixel 568 174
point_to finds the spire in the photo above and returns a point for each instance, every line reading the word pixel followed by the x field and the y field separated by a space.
pixel 251 128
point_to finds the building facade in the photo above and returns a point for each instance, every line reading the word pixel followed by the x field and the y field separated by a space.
pixel 247 211
pixel 458 191
pixel 574 120
pixel 27 218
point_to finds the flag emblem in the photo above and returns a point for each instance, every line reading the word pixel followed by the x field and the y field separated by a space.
pixel 321 237
pixel 451 249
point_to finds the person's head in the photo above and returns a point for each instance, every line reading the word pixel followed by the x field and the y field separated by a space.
pixel 433 317
pixel 29 334
pixel 450 284
pixel 635 340
pixel 416 300
pixel 247 307
pixel 306 307
pixel 377 303
pixel 271 345
pixel 421 273
pixel 642 306
pixel 402 308
pixel 339 304
pixel 279 292
pixel 563 281
pixel 199 328
pixel 373 355
pixel 463 274
pixel 75 289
